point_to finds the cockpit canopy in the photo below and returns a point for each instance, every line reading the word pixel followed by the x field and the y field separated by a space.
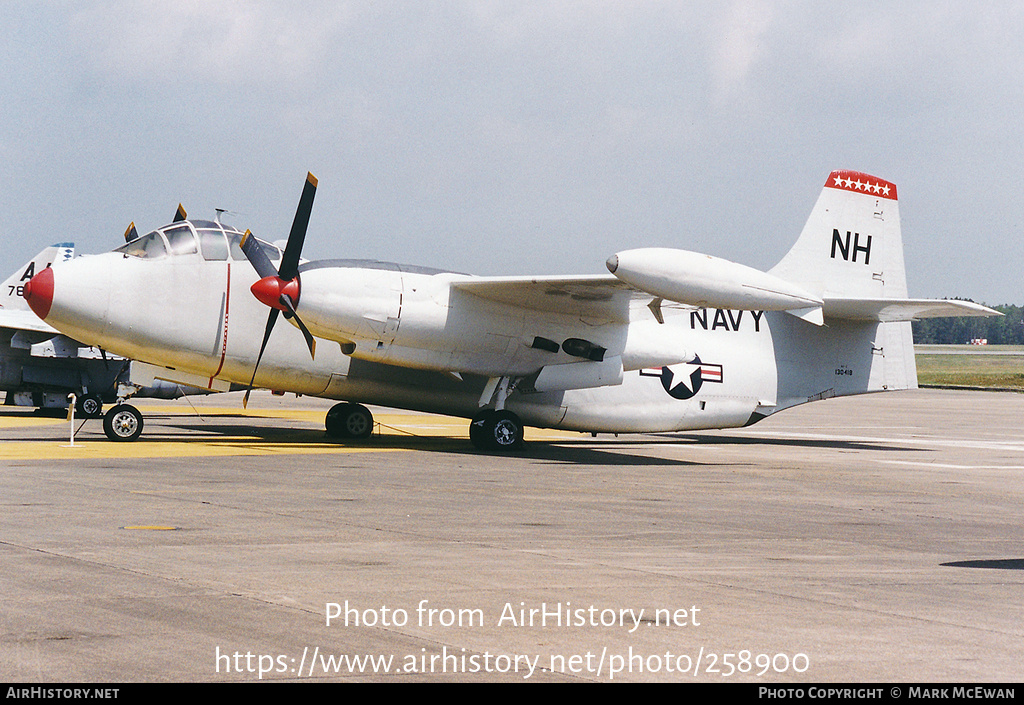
pixel 215 241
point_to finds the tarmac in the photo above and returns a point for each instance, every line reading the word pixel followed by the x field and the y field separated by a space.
pixel 866 539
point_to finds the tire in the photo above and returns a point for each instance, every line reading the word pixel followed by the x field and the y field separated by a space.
pixel 347 420
pixel 123 423
pixel 477 430
pixel 90 406
pixel 496 430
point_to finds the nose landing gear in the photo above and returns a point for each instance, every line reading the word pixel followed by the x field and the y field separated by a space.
pixel 122 423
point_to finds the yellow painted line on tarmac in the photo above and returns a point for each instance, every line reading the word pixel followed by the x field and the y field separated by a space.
pixel 184 448
pixel 25 421
pixel 90 444
pixel 150 528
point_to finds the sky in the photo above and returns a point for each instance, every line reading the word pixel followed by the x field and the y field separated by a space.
pixel 518 137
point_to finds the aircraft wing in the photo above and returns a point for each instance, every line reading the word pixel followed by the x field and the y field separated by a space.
pixel 891 310
pixel 595 296
pixel 609 297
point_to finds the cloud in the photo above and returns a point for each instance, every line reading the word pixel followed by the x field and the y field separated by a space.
pixel 737 43
pixel 566 127
pixel 219 42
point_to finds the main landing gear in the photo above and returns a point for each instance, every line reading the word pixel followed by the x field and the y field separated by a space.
pixel 347 420
pixel 496 430
pixel 489 430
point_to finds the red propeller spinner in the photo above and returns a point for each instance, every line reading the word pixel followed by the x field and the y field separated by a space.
pixel 269 291
pixel 39 293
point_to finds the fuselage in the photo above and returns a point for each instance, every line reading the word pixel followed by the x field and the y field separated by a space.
pixel 409 337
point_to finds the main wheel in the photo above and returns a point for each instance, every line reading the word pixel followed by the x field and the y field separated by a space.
pixel 123 423
pixel 496 430
pixel 90 406
pixel 347 420
pixel 477 429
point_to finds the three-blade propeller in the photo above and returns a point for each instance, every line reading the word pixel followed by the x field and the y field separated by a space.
pixel 279 289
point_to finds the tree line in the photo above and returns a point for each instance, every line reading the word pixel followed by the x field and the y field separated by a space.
pixel 1007 329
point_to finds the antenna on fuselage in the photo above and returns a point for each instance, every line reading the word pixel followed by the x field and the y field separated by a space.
pixel 220 212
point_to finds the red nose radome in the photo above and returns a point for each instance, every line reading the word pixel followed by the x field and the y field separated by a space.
pixel 39 293
pixel 270 289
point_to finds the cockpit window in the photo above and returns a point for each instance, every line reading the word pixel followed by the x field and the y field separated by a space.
pixel 149 246
pixel 216 242
pixel 213 245
pixel 235 243
pixel 181 240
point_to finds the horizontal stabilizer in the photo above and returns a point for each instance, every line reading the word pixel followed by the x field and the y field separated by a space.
pixel 892 310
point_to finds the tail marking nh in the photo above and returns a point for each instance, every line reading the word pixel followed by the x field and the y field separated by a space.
pixel 844 246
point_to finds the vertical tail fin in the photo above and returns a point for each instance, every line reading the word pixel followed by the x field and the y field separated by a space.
pixel 850 254
pixel 851 251
pixel 11 293
pixel 851 246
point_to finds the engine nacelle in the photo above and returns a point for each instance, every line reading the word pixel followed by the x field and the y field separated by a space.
pixel 579 375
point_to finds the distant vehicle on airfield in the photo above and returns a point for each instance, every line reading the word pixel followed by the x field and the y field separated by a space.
pixel 669 340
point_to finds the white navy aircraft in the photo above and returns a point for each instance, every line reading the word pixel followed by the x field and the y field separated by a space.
pixel 670 340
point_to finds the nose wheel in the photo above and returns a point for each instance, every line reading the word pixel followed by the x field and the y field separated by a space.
pixel 122 423
pixel 496 430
